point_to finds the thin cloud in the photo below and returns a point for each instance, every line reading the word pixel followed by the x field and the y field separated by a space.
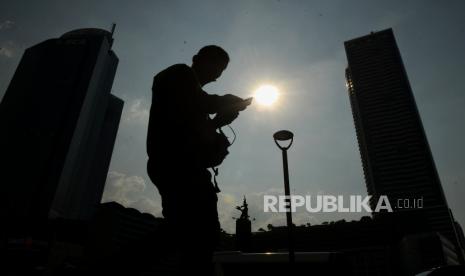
pixel 8 49
pixel 137 112
pixel 129 191
pixel 7 24
pixel 123 188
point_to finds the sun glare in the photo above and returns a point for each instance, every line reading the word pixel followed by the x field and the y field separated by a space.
pixel 266 95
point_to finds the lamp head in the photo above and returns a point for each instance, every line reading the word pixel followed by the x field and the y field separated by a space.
pixel 283 135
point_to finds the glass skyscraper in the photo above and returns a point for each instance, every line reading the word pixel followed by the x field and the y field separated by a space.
pixel 59 122
pixel 395 153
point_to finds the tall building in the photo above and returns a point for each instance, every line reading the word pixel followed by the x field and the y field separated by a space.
pixel 396 157
pixel 59 122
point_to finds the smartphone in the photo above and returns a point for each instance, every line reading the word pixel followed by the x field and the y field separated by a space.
pixel 242 105
pixel 248 101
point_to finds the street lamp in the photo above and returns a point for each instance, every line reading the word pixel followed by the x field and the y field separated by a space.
pixel 283 136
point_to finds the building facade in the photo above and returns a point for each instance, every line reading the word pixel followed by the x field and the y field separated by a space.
pixel 59 122
pixel 395 153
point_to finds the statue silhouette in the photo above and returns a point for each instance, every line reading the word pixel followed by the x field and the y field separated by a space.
pixel 244 208
pixel 182 144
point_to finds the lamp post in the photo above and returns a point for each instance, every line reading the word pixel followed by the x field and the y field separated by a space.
pixel 286 135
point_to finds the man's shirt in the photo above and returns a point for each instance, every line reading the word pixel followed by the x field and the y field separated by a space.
pixel 179 125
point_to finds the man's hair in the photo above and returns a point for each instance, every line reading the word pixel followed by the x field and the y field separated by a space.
pixel 212 52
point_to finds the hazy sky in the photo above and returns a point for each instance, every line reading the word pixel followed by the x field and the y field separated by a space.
pixel 295 45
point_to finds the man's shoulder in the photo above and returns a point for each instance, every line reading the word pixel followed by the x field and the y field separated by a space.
pixel 179 67
pixel 176 69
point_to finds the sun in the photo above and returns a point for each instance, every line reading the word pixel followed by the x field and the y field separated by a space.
pixel 266 95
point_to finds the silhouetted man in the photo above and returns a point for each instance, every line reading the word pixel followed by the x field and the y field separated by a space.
pixel 182 144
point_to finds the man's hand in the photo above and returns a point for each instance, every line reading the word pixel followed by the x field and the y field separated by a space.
pixel 230 99
pixel 228 102
pixel 222 119
pixel 230 106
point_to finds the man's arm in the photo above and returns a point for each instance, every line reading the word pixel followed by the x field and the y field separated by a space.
pixel 216 104
pixel 209 104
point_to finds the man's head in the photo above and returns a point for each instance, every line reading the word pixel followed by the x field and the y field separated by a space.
pixel 209 63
